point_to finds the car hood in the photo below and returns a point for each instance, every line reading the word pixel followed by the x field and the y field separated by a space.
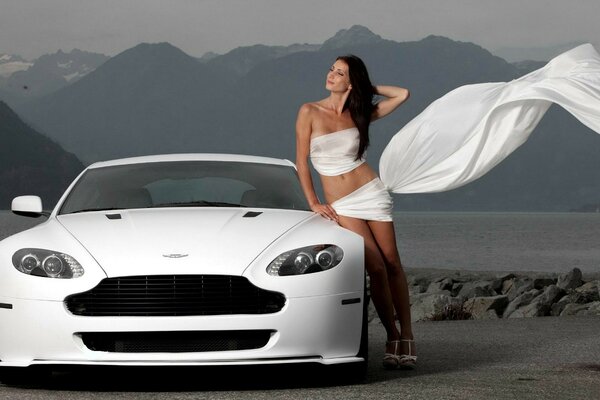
pixel 179 241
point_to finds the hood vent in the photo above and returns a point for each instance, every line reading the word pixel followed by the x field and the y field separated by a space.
pixel 252 214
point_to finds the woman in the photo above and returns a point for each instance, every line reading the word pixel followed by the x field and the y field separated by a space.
pixel 334 132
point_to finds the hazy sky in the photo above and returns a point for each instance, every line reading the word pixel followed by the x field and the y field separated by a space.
pixel 31 28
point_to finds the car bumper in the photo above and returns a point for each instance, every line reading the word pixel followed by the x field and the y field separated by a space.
pixel 322 329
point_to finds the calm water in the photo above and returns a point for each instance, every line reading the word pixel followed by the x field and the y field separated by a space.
pixel 552 242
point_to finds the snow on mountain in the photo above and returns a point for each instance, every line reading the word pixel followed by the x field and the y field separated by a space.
pixel 9 64
pixel 70 66
pixel 46 74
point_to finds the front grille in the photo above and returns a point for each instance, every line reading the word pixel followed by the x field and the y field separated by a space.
pixel 175 342
pixel 174 295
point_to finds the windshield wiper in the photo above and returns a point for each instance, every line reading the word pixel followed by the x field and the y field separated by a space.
pixel 199 203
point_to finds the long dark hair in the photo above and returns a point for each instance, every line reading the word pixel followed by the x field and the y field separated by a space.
pixel 360 101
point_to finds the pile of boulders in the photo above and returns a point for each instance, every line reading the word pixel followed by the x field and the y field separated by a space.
pixel 488 296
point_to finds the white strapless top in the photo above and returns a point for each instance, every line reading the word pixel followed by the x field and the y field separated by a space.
pixel 335 153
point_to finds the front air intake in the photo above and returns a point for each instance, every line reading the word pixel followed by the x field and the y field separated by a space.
pixel 175 342
pixel 174 295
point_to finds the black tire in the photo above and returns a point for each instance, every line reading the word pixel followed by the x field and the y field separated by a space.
pixel 29 376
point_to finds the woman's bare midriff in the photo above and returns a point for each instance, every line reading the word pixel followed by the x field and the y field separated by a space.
pixel 336 187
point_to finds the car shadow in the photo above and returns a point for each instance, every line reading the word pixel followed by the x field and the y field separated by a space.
pixel 180 379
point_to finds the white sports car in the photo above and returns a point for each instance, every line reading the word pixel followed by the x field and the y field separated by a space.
pixel 186 259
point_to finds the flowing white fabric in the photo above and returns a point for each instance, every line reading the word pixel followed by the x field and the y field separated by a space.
pixel 468 131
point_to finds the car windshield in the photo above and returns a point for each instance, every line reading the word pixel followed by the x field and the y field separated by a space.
pixel 186 184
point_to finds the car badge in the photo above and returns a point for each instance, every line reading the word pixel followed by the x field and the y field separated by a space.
pixel 175 255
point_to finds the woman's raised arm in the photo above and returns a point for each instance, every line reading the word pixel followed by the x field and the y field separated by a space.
pixel 394 96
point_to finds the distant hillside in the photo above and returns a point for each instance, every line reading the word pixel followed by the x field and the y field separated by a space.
pixel 47 74
pixel 31 163
pixel 154 98
pixel 241 60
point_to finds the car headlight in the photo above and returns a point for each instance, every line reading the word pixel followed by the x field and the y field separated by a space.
pixel 306 260
pixel 47 263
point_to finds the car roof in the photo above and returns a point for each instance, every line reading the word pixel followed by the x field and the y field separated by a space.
pixel 192 157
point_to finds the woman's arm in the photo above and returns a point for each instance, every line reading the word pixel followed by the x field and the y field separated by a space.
pixel 394 96
pixel 303 132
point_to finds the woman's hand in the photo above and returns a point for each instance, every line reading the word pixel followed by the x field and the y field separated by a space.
pixel 326 211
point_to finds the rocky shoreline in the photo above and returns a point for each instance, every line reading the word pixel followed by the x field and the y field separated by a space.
pixel 447 294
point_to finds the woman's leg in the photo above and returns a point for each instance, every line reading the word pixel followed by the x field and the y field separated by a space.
pixel 385 237
pixel 375 265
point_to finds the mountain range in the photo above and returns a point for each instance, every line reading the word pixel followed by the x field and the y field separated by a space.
pixel 154 98
pixel 26 80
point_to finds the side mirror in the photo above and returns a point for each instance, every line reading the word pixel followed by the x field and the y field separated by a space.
pixel 28 206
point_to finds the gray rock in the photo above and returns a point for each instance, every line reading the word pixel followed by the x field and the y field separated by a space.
pixel 416 289
pixel 589 291
pixel 456 287
pixel 490 314
pixel 424 305
pixel 414 280
pixel 573 297
pixel 573 309
pixel 497 285
pixel 560 305
pixel 530 310
pixel 507 285
pixel 550 296
pixel 594 308
pixel 540 305
pixel 515 287
pixel 582 309
pixel 570 280
pixel 507 277
pixel 477 289
pixel 541 283
pixel 417 284
pixel 520 301
pixel 438 286
pixel 479 307
pixel 462 278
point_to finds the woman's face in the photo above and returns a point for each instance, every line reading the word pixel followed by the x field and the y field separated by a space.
pixel 338 79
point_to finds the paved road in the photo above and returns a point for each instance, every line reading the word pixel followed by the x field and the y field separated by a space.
pixel 537 358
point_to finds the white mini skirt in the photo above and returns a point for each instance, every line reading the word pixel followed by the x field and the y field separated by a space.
pixel 371 202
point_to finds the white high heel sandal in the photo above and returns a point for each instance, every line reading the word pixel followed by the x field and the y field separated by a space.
pixel 408 361
pixel 400 361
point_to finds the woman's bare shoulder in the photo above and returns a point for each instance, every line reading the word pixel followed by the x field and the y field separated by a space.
pixel 310 108
pixel 308 112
